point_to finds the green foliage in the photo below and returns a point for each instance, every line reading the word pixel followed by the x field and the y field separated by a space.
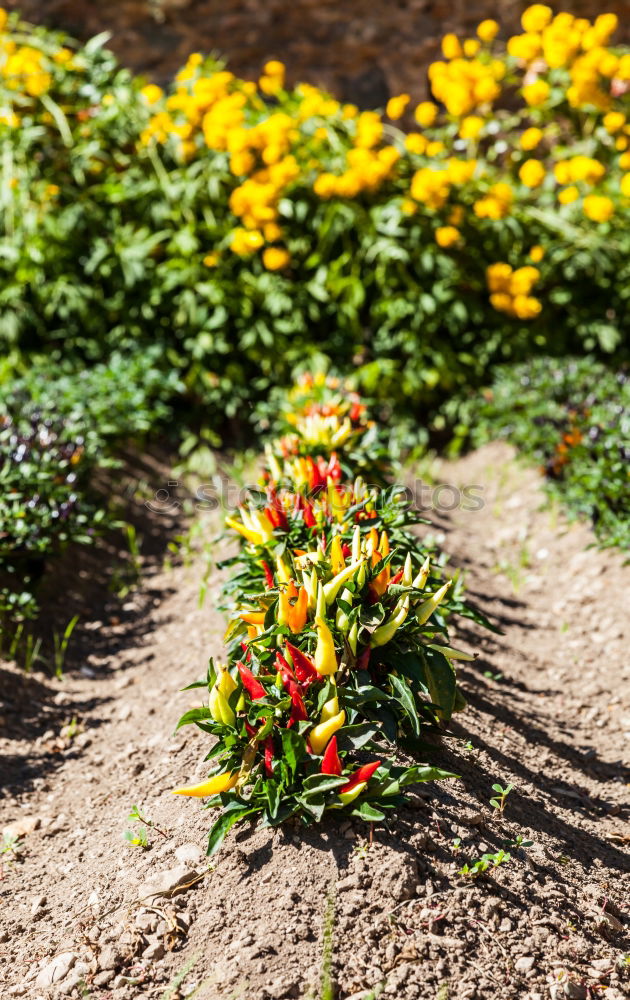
pixel 572 417
pixel 116 236
pixel 55 430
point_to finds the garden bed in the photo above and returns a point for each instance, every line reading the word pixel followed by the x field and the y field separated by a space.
pixel 544 715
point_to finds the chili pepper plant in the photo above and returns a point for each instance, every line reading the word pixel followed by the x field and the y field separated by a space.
pixel 337 646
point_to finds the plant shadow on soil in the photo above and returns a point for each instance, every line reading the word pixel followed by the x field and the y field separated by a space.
pixel 79 582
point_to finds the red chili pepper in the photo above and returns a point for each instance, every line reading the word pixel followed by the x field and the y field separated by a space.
pixel 331 763
pixel 397 577
pixel 247 651
pixel 334 468
pixel 345 550
pixel 309 517
pixel 251 732
pixel 268 575
pixel 302 664
pixel 253 687
pixel 269 756
pixel 286 672
pixel 363 774
pixel 298 708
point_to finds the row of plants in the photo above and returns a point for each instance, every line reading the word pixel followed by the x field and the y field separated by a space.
pixel 573 419
pixel 56 430
pixel 249 226
pixel 338 652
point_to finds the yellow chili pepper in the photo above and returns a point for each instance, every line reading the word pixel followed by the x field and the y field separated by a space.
pixel 388 629
pixel 347 797
pixel 332 588
pixel 426 609
pixel 336 555
pixel 220 709
pixel 320 734
pixel 421 578
pixel 331 707
pixel 325 656
pixel 213 786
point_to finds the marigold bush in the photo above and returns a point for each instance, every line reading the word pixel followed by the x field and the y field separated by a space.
pixel 337 644
pixel 247 226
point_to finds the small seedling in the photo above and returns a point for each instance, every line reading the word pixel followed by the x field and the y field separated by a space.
pixel 61 645
pixel 361 850
pixel 498 802
pixel 11 845
pixel 457 844
pixel 139 836
pixel 491 676
pixel 518 842
pixel 486 861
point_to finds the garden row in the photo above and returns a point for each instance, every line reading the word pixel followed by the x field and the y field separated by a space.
pixel 197 246
pixel 337 647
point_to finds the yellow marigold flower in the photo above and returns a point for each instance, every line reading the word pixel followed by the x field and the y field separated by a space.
pixel 435 148
pixel 569 194
pixel 471 47
pixel 457 215
pixel 246 241
pixel 11 119
pixel 274 68
pixel 496 204
pixel 605 26
pixel 426 113
pixel 470 127
pixel 524 47
pixel 451 48
pixel 211 259
pixel 408 207
pixel 460 171
pixel 501 301
pixel 272 232
pixel 486 90
pixel 537 253
pixel 624 185
pixel 488 30
pixel 325 185
pixel 523 279
pixel 242 163
pixel 275 258
pixel 621 143
pixel 3 18
pixel 396 106
pixel 270 85
pixel 446 236
pixel 530 138
pixel 62 56
pixel 536 17
pixel 598 207
pixel 624 161
pixel 349 111
pixel 562 171
pixel 585 168
pixel 526 307
pixel 536 93
pixel 498 276
pixel 614 121
pixel 415 143
pixel 532 173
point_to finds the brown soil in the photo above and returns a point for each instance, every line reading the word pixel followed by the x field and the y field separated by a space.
pixel 280 914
